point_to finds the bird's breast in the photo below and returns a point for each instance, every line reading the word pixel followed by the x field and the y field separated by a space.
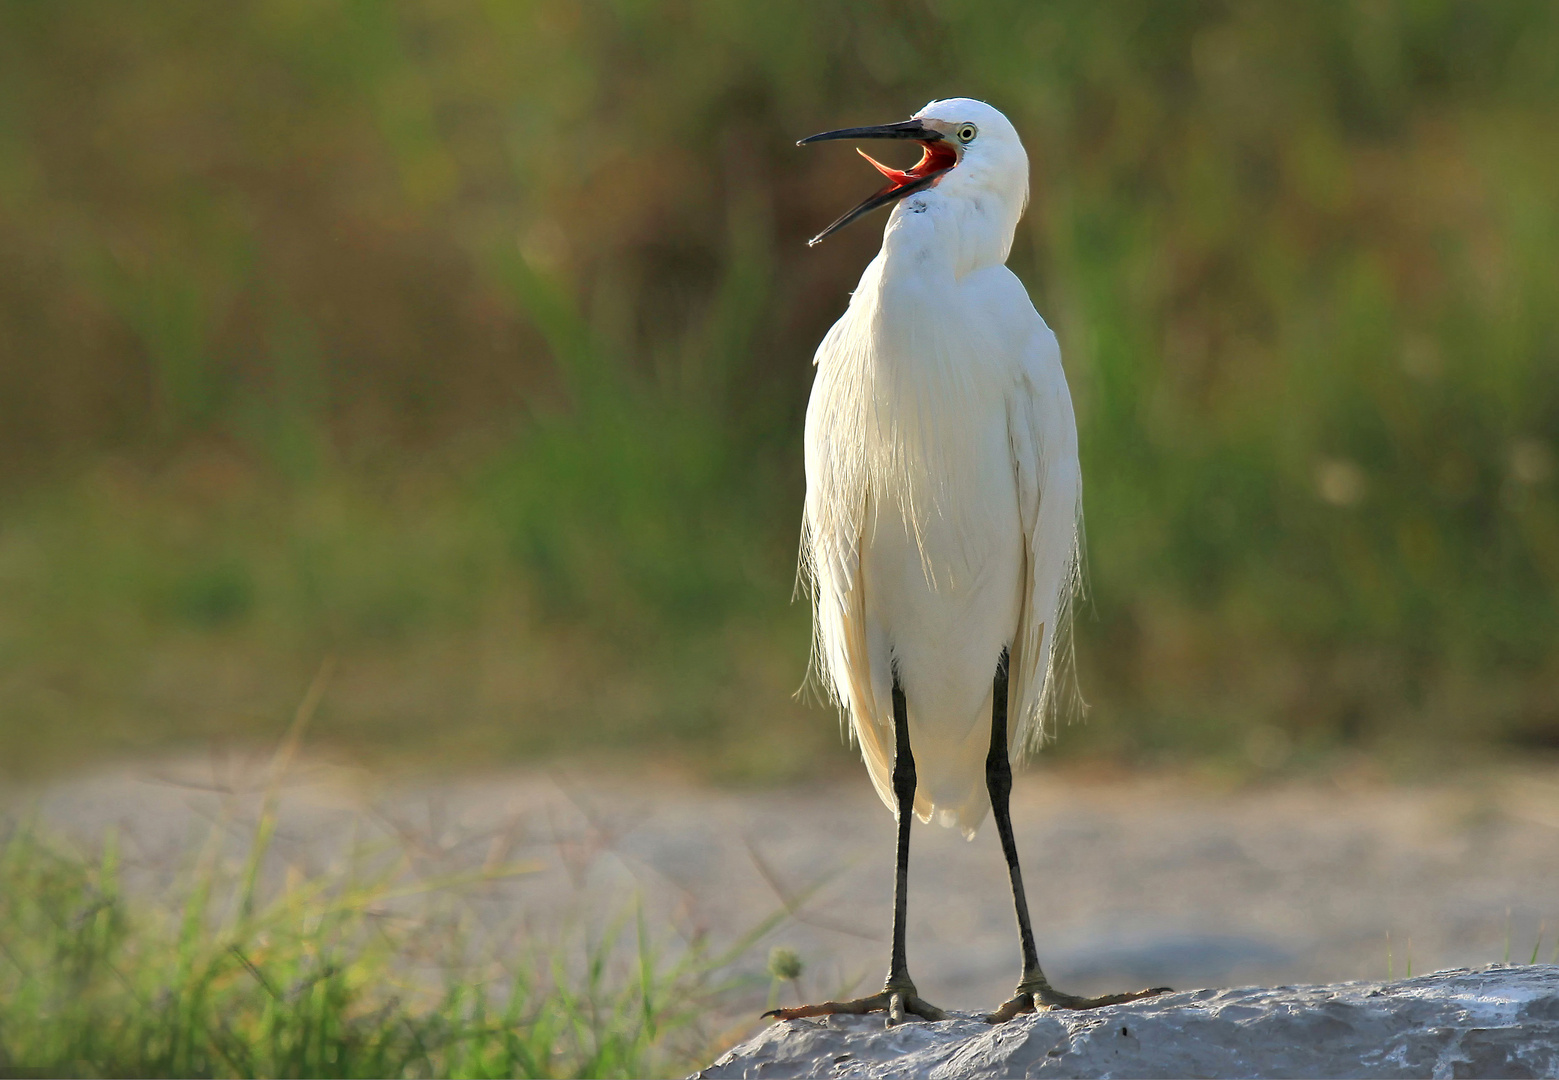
pixel 942 543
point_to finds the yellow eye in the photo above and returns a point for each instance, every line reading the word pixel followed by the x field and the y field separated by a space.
pixel 967 132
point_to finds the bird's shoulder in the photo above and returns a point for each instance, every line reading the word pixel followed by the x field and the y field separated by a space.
pixel 1004 318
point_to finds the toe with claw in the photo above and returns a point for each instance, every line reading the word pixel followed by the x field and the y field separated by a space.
pixel 898 1000
pixel 1036 994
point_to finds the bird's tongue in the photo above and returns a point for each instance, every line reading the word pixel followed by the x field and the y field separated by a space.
pixel 933 159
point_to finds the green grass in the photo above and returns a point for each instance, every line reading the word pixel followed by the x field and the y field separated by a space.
pixel 372 970
pixel 314 982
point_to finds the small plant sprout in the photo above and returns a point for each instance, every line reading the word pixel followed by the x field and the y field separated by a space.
pixel 785 965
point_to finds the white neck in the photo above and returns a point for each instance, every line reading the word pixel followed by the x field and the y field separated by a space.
pixel 963 224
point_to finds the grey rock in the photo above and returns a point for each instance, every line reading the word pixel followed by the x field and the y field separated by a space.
pixel 1492 1022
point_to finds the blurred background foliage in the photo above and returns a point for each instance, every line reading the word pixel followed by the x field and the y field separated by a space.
pixel 468 341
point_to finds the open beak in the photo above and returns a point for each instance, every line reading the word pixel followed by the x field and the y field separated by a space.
pixel 938 157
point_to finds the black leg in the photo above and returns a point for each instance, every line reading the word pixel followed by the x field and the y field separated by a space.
pixel 904 794
pixel 1034 990
pixel 899 997
pixel 998 781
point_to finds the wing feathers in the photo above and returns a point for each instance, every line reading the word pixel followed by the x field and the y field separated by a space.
pixel 1043 435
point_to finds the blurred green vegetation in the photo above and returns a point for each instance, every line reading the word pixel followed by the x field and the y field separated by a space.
pixel 467 342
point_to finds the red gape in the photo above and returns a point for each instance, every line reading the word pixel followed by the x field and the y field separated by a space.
pixel 934 157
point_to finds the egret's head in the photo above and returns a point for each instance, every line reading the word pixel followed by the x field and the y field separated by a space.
pixel 967 148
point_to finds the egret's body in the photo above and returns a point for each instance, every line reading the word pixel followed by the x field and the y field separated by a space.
pixel 943 488
pixel 927 540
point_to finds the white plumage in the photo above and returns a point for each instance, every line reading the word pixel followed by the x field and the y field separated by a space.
pixel 943 488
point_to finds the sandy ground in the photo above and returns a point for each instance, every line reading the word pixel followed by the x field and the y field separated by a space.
pixel 1133 881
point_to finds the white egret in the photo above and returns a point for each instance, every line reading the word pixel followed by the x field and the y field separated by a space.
pixel 941 527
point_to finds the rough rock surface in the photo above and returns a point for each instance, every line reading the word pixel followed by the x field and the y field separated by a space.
pixel 1493 1022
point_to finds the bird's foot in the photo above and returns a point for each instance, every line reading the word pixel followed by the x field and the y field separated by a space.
pixel 1034 995
pixel 899 1001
